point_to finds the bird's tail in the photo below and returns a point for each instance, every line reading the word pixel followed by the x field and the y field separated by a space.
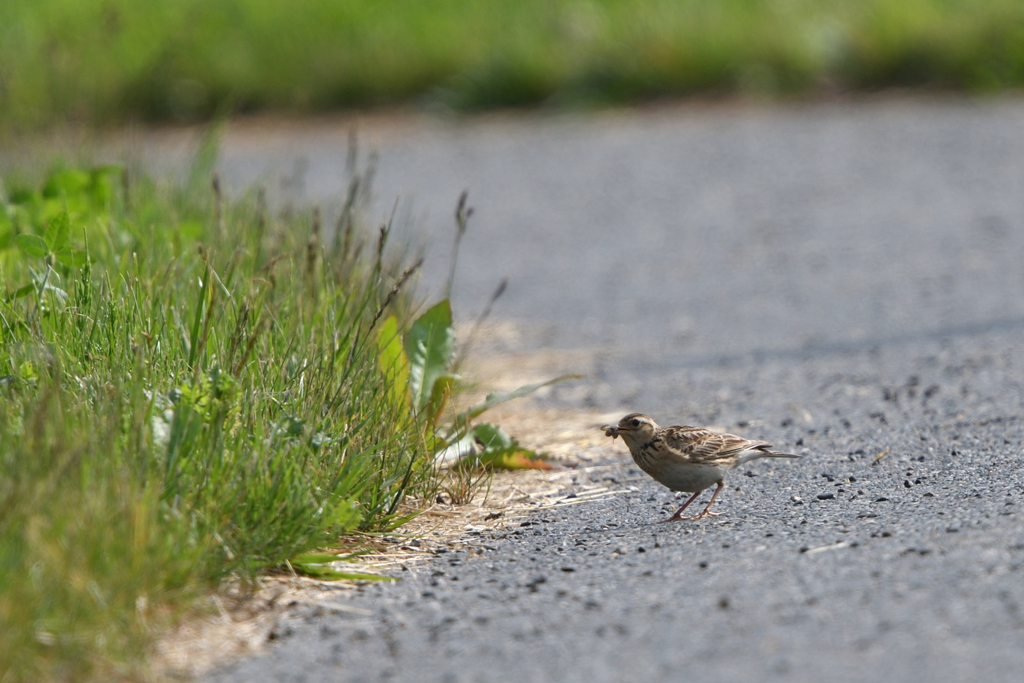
pixel 755 454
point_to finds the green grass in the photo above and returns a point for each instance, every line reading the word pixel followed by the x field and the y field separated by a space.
pixel 189 391
pixel 103 61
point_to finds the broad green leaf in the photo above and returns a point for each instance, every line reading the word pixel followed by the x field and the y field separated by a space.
pixel 491 436
pixel 27 373
pixel 499 397
pixel 72 258
pixel 513 459
pixel 394 362
pixel 58 231
pixel 430 347
pixel 49 209
pixel 499 451
pixel 443 386
pixel 24 290
pixel 33 245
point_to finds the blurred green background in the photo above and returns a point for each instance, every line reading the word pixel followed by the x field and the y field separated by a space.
pixel 102 62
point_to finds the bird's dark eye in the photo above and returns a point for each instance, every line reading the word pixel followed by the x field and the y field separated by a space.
pixel 634 423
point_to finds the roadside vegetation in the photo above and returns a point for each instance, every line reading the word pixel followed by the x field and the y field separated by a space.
pixel 188 391
pixel 194 388
pixel 104 61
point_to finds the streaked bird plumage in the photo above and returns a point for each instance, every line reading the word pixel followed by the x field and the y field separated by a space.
pixel 688 459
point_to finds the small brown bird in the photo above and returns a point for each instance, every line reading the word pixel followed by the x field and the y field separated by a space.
pixel 687 459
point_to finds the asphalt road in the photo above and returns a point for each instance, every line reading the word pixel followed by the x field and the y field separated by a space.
pixel 843 281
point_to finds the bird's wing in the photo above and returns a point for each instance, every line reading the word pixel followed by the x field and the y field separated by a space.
pixel 704 445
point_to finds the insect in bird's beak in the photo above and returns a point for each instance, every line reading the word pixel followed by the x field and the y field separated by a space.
pixel 612 430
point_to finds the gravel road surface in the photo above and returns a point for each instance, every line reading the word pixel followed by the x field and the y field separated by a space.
pixel 846 282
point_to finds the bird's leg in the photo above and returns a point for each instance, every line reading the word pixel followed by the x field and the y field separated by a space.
pixel 707 510
pixel 677 516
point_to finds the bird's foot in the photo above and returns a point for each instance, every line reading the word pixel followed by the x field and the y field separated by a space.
pixel 679 518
